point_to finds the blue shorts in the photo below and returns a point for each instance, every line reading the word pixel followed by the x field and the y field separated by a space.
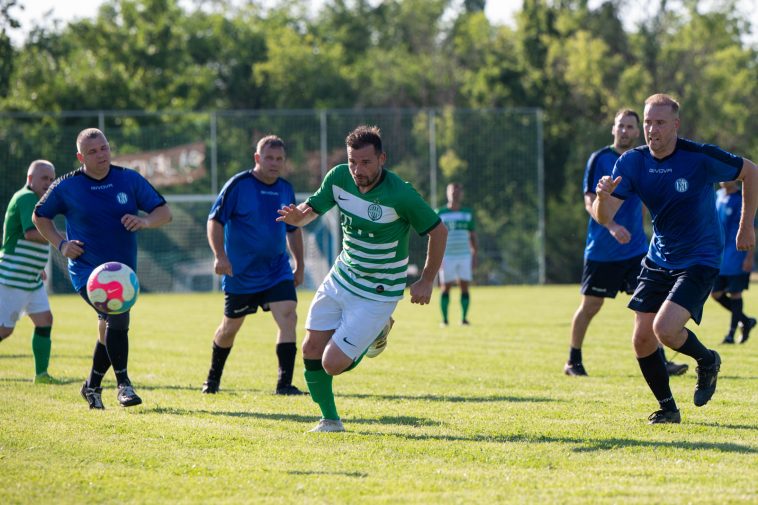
pixel 606 278
pixel 688 287
pixel 239 305
pixel 732 283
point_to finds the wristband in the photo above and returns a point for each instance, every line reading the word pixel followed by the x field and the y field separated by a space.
pixel 60 246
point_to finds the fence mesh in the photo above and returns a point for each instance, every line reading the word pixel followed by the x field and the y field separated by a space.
pixel 495 153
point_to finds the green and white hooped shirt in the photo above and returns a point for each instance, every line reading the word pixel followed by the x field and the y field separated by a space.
pixel 459 223
pixel 376 229
pixel 21 261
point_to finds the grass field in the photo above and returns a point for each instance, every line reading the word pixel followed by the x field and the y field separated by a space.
pixel 479 414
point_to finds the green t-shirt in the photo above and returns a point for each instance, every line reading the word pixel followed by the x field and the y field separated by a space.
pixel 21 261
pixel 375 229
pixel 459 224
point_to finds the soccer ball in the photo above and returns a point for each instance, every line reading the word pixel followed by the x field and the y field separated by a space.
pixel 112 288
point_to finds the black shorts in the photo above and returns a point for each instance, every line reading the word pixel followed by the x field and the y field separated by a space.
pixel 688 287
pixel 732 283
pixel 606 278
pixel 236 305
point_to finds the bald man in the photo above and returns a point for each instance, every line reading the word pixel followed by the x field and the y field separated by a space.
pixel 23 256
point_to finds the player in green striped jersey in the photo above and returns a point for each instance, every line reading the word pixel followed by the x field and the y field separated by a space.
pixel 355 302
pixel 23 257
pixel 460 253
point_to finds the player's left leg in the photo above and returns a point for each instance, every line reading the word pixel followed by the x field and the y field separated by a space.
pixel 319 382
pixel 117 345
pixel 41 347
pixel 285 315
pixel 465 301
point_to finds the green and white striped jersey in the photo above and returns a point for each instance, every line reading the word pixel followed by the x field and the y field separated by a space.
pixel 21 261
pixel 375 231
pixel 459 223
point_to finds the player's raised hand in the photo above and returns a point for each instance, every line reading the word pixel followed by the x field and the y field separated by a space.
pixel 606 186
pixel 294 215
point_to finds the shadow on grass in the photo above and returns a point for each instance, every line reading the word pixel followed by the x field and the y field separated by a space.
pixel 384 420
pixel 752 427
pixel 584 445
pixel 360 475
pixel 63 381
pixel 15 356
pixel 454 399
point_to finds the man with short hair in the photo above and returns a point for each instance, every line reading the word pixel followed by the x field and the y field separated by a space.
pixel 460 251
pixel 350 315
pixel 23 257
pixel 734 273
pixel 101 203
pixel 250 251
pixel 674 177
pixel 613 252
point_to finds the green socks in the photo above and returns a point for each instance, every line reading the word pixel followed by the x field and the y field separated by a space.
pixel 444 304
pixel 320 386
pixel 41 345
pixel 465 300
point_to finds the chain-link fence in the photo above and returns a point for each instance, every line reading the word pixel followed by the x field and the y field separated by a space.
pixel 495 153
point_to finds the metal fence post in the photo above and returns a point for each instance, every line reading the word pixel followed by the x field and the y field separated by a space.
pixel 432 160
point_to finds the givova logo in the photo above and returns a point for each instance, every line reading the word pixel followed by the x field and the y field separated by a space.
pixel 122 198
pixel 681 185
pixel 374 212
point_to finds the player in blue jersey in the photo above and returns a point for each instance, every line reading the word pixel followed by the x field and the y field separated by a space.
pixel 101 203
pixel 250 250
pixel 734 274
pixel 613 252
pixel 674 177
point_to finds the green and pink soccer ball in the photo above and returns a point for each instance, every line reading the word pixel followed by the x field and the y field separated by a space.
pixel 112 288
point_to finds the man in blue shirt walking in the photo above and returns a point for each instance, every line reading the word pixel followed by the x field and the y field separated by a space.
pixel 250 250
pixel 734 274
pixel 674 178
pixel 101 203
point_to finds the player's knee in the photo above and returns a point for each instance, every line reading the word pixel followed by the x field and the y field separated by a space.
pixel 666 332
pixel 333 365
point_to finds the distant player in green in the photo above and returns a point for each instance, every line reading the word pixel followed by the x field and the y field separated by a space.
pixel 23 257
pixel 350 315
pixel 460 253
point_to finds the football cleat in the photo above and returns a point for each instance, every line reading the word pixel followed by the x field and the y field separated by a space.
pixel 728 339
pixel 93 396
pixel 676 368
pixel 46 378
pixel 706 381
pixel 289 390
pixel 127 397
pixel 574 369
pixel 751 322
pixel 665 417
pixel 210 387
pixel 328 426
pixel 380 342
pixel 465 322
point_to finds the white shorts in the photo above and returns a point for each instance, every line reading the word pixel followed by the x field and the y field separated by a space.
pixel 15 302
pixel 455 269
pixel 357 320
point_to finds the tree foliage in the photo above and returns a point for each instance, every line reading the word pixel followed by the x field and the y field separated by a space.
pixel 578 64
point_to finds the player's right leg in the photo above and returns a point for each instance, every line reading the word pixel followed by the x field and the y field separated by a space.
pixel 223 340
pixel 42 345
pixel 588 308
pixel 653 368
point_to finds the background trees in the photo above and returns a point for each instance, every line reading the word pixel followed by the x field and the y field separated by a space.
pixel 577 64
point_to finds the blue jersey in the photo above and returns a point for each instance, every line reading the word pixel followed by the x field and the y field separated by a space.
pixel 601 246
pixel 729 209
pixel 255 242
pixel 93 210
pixel 678 190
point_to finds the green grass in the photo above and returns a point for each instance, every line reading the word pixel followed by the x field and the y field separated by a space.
pixel 479 414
